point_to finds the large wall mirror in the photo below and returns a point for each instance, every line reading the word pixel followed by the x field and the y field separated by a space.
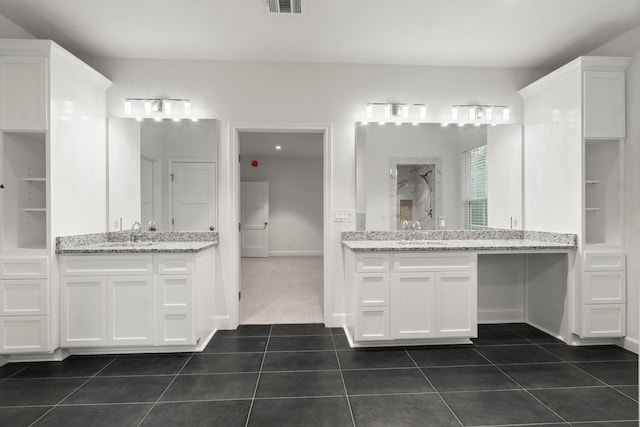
pixel 163 172
pixel 444 177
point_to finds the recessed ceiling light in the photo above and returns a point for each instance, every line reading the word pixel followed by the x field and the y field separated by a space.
pixel 278 147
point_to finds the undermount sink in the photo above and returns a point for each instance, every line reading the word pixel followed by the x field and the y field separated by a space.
pixel 423 242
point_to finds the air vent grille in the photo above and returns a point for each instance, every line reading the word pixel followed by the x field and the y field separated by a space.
pixel 284 6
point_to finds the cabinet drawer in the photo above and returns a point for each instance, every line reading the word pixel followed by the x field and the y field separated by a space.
pixel 173 292
pixel 604 320
pixel 604 261
pixel 372 324
pixel 373 289
pixel 23 297
pixel 373 262
pixel 174 328
pixel 604 287
pixel 23 268
pixel 106 265
pixel 174 264
pixel 433 262
pixel 24 334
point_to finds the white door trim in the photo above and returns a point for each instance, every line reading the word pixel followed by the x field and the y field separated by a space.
pixel 234 238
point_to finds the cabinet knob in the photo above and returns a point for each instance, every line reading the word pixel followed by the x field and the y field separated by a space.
pixel 1 185
pixel 211 228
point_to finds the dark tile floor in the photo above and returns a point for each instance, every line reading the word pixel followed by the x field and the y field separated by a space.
pixel 306 375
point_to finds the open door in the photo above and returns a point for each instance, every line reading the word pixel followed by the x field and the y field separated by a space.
pixel 254 205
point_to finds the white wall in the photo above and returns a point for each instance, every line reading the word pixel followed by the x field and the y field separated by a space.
pixel 9 30
pixel 629 45
pixel 293 93
pixel 295 202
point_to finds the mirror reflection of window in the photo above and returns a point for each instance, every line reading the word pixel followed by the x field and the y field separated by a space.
pixel 474 188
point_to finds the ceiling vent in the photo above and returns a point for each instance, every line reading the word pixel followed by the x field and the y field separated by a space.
pixel 284 6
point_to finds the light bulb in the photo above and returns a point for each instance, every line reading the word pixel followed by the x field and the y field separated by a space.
pixel 505 114
pixel 444 125
pixel 387 111
pixel 382 123
pixel 147 107
pixel 415 123
pixel 195 119
pixel 157 119
pixel 139 119
pixel 460 125
pixel 405 111
pixel 398 123
pixel 364 123
pixel 127 106
pixel 472 113
pixel 454 113
pixel 176 119
pixel 187 107
pixel 166 106
pixel 423 112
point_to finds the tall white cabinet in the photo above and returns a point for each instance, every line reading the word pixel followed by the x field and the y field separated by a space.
pixel 53 178
pixel 573 153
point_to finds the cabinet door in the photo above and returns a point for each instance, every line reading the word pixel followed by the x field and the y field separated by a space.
pixel 456 304
pixel 23 297
pixel 604 109
pixel 604 320
pixel 130 302
pixel 83 311
pixel 24 334
pixel 23 93
pixel 412 305
pixel 605 287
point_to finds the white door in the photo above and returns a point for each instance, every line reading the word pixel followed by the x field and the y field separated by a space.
pixel 146 191
pixel 194 196
pixel 255 219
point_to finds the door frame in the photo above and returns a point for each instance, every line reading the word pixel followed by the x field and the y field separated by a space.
pixel 170 185
pixel 234 238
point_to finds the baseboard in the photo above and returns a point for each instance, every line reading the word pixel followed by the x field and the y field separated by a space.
pixel 501 316
pixel 631 344
pixel 296 253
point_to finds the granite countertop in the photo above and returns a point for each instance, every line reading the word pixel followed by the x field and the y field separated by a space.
pixel 454 245
pixel 149 243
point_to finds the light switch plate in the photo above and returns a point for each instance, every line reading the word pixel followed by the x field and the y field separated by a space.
pixel 343 215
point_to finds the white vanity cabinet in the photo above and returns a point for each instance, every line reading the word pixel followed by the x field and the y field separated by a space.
pixel 24 308
pixel 136 301
pixel 411 297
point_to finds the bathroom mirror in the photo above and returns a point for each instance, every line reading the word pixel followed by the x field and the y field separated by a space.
pixel 407 172
pixel 162 171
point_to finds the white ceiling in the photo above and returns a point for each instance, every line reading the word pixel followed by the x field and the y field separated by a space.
pixel 496 33
pixel 259 145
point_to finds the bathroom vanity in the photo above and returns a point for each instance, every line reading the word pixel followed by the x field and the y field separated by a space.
pixel 147 296
pixel 418 292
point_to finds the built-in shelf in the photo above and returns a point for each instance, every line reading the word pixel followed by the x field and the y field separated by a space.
pixel 30 179
pixel 592 182
pixel 34 210
pixel 592 209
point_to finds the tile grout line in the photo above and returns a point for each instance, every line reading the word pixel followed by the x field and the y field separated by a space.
pixel 255 390
pixel 344 385
pixel 433 387
pixel 175 377
pixel 522 388
pixel 14 374
pixel 74 390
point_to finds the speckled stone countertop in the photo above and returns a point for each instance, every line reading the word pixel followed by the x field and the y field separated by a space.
pixel 457 240
pixel 147 243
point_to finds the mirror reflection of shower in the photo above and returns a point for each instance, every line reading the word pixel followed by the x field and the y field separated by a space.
pixel 415 194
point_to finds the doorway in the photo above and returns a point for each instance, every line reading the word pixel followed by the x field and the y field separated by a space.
pixel 281 210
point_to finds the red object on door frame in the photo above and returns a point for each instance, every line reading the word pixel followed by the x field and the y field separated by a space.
pixel 254 163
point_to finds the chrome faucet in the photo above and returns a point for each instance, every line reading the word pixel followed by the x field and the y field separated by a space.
pixel 415 226
pixel 136 231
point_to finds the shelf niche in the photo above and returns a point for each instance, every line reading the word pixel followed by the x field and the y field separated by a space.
pixel 24 197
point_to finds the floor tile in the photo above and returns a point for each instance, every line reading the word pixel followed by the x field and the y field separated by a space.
pixel 211 386
pixel 70 367
pixel 587 353
pixel 337 331
pixel 549 375
pixel 308 412
pixel 538 337
pixel 236 345
pixel 245 331
pixel 230 413
pixel 447 357
pixel 499 337
pixel 505 326
pixel 382 381
pixel 612 373
pixel 607 424
pixel 18 417
pixel 300 361
pixel 26 392
pixel 498 407
pixel 407 410
pixel 207 363
pixel 95 416
pixel 341 342
pixel 468 378
pixel 120 390
pixel 629 390
pixel 300 384
pixel 10 369
pixel 301 343
pixel 588 404
pixel 300 329
pixel 363 358
pixel 517 354
pixel 146 365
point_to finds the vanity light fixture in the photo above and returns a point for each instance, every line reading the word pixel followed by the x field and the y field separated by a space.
pixel 156 107
pixel 383 112
pixel 480 114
